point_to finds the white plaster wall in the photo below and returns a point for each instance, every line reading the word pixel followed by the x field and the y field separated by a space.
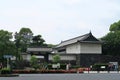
pixel 55 51
pixel 26 56
pixel 64 57
pixel 90 48
pixel 73 48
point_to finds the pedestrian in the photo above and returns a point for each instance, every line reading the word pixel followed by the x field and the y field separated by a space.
pixel 1 65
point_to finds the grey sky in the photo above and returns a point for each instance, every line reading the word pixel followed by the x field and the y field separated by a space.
pixel 58 20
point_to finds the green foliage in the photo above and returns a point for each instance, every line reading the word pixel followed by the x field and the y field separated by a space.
pixel 97 67
pixel 23 39
pixel 7 47
pixel 51 45
pixel 49 66
pixel 38 41
pixel 25 31
pixel 111 41
pixel 75 67
pixel 56 58
pixel 115 26
pixel 5 71
pixel 62 66
pixel 20 64
pixel 34 62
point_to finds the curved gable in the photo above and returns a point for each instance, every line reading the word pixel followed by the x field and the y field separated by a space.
pixel 90 37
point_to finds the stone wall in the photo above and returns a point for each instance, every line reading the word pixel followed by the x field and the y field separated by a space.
pixel 90 59
pixel 109 58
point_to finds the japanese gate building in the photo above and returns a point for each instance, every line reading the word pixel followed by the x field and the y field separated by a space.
pixel 83 50
pixel 42 53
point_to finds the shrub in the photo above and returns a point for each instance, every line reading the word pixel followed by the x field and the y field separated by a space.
pixel 20 64
pixel 34 62
pixel 49 66
pixel 75 67
pixel 5 71
pixel 62 66
pixel 56 58
pixel 98 66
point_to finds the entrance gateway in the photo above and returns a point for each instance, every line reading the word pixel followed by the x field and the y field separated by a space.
pixel 40 52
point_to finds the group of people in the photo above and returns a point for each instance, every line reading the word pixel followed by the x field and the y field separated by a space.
pixel 112 67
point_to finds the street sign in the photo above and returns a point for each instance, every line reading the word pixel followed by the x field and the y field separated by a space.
pixel 7 56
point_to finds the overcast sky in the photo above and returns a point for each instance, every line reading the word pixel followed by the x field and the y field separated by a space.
pixel 58 20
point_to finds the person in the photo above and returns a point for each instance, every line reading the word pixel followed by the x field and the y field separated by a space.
pixel 110 67
pixel 90 67
pixel 1 65
pixel 68 66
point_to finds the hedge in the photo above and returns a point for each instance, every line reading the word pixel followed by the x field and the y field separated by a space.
pixel 5 71
pixel 62 66
pixel 97 67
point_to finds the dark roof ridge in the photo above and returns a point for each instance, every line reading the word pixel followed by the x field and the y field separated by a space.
pixel 75 37
pixel 81 38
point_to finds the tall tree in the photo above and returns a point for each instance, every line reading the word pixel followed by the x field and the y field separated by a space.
pixel 38 41
pixel 7 46
pixel 111 41
pixel 23 39
pixel 115 26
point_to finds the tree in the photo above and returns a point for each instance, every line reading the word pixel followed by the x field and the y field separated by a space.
pixel 23 39
pixel 115 26
pixel 56 58
pixel 7 46
pixel 38 41
pixel 111 42
pixel 34 62
pixel 51 45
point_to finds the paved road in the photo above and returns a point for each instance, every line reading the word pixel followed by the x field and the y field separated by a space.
pixel 94 76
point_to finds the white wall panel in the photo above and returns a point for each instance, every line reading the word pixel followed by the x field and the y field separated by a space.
pixel 73 48
pixel 90 48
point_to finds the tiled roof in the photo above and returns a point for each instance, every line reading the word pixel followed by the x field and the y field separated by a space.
pixel 39 49
pixel 82 38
